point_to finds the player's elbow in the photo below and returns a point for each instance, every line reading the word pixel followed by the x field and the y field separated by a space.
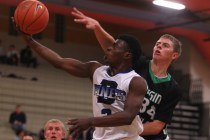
pixel 128 122
pixel 129 119
pixel 158 127
pixel 157 130
pixel 58 64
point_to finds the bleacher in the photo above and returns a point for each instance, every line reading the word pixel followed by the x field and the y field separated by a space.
pixel 186 123
pixel 55 94
pixel 186 120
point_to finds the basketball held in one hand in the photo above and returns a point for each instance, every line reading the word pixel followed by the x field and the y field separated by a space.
pixel 31 16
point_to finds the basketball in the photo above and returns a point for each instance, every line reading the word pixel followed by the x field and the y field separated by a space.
pixel 31 16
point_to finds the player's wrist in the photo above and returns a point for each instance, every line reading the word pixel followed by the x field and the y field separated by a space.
pixel 97 27
pixel 28 38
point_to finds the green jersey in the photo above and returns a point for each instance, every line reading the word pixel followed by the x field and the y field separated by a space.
pixel 162 96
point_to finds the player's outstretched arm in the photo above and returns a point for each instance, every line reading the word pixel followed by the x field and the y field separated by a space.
pixel 103 37
pixel 72 66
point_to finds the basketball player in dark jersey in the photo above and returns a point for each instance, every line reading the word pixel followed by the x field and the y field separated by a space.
pixel 163 91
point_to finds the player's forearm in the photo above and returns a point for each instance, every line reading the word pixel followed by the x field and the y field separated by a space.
pixel 152 128
pixel 43 51
pixel 104 38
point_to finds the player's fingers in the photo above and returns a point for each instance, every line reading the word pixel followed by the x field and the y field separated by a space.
pixel 73 133
pixel 76 132
pixel 77 15
pixel 73 129
pixel 12 18
pixel 77 11
pixel 83 21
pixel 72 121
pixel 78 135
pixel 16 27
pixel 13 22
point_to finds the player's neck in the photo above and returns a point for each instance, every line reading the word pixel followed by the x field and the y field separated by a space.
pixel 114 71
pixel 159 68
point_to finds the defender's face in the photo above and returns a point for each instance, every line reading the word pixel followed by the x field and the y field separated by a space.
pixel 115 53
pixel 54 131
pixel 164 50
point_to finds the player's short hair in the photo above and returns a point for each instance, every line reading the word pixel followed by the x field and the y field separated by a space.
pixel 133 45
pixel 176 43
pixel 54 121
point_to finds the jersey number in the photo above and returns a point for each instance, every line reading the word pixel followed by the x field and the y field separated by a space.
pixel 150 111
pixel 106 111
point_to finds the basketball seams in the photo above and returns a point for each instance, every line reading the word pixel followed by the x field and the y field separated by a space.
pixel 36 18
pixel 34 2
pixel 31 16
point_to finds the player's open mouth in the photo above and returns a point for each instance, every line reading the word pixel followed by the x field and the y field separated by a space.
pixel 157 52
pixel 53 137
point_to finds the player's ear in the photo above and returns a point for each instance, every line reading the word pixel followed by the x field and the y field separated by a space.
pixel 45 135
pixel 128 55
pixel 175 55
pixel 63 135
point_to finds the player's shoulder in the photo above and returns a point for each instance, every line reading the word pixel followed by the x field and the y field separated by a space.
pixel 94 64
pixel 174 83
pixel 175 87
pixel 138 80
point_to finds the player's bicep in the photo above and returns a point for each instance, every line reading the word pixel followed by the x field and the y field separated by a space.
pixel 78 68
pixel 137 91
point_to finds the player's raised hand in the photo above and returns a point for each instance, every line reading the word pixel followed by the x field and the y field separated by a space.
pixel 90 23
pixel 16 27
pixel 77 126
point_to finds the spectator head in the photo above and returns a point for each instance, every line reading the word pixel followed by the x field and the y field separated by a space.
pixel 18 109
pixel 54 129
pixel 20 133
